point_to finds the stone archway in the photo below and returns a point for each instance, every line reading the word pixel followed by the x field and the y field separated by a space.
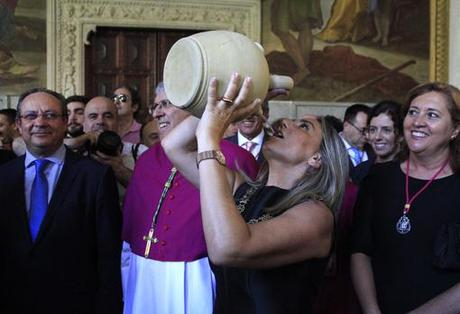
pixel 70 22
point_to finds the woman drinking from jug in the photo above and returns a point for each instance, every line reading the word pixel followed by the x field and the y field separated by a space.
pixel 268 240
pixel 407 218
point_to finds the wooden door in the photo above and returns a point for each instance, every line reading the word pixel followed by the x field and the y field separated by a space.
pixel 128 56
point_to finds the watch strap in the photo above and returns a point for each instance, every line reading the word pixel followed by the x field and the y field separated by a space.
pixel 210 154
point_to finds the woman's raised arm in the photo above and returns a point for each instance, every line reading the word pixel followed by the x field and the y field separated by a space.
pixel 180 147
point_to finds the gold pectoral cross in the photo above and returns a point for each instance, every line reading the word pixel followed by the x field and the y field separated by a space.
pixel 149 238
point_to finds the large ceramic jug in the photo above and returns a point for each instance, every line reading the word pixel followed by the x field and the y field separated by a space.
pixel 193 60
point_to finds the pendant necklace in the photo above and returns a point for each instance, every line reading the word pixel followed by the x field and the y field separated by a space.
pixel 403 225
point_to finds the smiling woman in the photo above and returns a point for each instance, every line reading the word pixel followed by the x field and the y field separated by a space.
pixel 408 209
pixel 384 130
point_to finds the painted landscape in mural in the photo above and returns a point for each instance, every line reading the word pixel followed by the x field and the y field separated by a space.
pixel 348 50
pixel 22 45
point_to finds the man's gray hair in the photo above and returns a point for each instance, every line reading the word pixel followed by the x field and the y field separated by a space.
pixel 160 88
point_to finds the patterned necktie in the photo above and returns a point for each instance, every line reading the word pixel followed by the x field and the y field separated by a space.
pixel 38 197
pixel 356 155
pixel 249 146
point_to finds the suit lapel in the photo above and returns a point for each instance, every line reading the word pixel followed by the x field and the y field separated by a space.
pixel 260 157
pixel 233 138
pixel 18 200
pixel 64 184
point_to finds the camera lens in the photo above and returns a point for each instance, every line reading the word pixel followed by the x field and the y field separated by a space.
pixel 109 143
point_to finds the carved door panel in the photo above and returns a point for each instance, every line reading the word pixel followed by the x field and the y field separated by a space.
pixel 132 56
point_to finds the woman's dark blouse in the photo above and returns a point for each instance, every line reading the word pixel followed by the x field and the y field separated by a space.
pixel 404 274
pixel 286 289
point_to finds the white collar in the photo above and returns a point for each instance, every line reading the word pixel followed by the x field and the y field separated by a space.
pixel 57 157
pixel 258 139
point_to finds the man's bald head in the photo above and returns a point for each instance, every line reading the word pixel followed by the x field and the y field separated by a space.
pixel 100 115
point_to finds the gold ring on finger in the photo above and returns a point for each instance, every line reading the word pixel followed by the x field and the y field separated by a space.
pixel 227 101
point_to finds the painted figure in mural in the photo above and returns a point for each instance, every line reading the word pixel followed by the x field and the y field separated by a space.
pixel 382 20
pixel 9 66
pixel 348 21
pixel 300 16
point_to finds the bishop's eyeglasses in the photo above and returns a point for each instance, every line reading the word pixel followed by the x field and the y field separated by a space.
pixel 161 104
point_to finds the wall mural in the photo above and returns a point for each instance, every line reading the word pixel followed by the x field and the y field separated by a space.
pixel 22 46
pixel 330 47
pixel 348 50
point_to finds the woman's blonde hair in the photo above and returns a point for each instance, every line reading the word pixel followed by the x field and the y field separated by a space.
pixel 327 183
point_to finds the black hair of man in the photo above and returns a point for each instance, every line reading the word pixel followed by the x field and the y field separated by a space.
pixel 353 110
pixel 76 98
pixel 56 95
pixel 10 114
pixel 141 130
pixel 335 122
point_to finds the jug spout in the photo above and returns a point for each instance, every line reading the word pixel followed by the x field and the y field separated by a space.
pixel 281 82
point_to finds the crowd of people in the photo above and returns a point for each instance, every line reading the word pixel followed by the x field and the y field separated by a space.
pixel 218 214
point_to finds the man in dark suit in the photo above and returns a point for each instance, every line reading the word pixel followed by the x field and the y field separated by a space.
pixel 61 223
pixel 6 155
pixel 251 134
pixel 354 138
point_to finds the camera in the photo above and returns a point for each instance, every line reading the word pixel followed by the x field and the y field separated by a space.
pixel 109 143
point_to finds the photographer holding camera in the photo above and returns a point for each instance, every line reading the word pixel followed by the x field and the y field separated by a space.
pixel 105 145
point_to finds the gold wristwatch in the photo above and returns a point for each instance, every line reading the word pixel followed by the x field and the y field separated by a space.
pixel 210 154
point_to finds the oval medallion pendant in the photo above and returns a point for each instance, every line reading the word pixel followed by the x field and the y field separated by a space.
pixel 403 225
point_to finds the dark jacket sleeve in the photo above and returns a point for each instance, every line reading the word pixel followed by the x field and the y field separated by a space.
pixel 108 224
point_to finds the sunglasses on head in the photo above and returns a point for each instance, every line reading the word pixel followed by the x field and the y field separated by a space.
pixel 120 98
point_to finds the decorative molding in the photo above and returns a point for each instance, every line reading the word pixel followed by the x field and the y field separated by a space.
pixel 439 43
pixel 8 101
pixel 86 31
pixel 295 109
pixel 454 47
pixel 69 22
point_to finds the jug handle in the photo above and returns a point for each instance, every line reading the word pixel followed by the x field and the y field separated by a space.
pixel 261 48
pixel 281 81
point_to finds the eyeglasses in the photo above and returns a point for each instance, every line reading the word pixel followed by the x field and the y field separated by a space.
pixel 160 105
pixel 120 98
pixel 386 130
pixel 360 130
pixel 49 116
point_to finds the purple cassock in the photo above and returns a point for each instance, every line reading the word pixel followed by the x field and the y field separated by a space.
pixel 179 228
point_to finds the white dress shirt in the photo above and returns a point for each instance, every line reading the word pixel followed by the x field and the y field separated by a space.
pixel 350 152
pixel 52 172
pixel 258 140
